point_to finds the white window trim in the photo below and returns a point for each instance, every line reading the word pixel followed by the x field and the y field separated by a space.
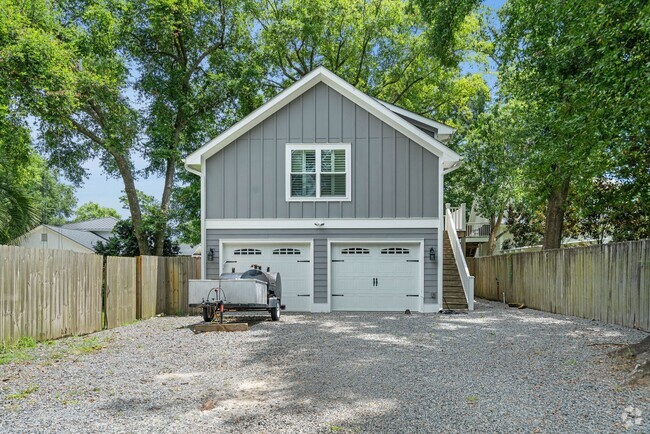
pixel 317 147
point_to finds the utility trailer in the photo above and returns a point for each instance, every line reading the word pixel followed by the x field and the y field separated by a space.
pixel 253 290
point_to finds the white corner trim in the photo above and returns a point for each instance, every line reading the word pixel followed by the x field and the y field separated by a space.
pixel 320 74
pixel 322 224
pixel 431 308
pixel 203 232
pixel 347 147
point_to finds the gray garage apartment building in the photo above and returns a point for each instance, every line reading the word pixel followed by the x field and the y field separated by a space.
pixel 339 192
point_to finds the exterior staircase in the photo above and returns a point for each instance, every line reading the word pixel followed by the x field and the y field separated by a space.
pixel 452 287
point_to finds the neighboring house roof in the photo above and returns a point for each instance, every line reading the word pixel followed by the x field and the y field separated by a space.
pixel 187 250
pixel 381 110
pixel 86 239
pixel 104 224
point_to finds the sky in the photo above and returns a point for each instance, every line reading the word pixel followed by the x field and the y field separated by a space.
pixel 106 191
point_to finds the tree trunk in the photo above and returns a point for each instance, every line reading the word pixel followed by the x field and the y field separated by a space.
pixel 134 204
pixel 494 230
pixel 159 236
pixel 555 209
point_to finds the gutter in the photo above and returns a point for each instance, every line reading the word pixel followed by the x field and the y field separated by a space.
pixel 189 169
pixel 455 166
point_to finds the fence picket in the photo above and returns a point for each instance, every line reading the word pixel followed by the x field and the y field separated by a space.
pixel 610 283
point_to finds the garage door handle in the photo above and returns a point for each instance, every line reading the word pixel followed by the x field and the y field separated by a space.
pixel 338 295
pixel 412 295
pixel 412 260
pixel 304 295
pixel 304 260
pixel 337 260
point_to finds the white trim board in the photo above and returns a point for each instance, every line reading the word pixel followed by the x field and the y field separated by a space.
pixel 315 223
pixel 196 159
pixel 318 147
pixel 443 129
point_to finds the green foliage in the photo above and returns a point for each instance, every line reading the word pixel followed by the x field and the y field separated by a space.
pixel 581 68
pixel 124 243
pixel 54 200
pixel 92 210
pixel 30 193
pixel 379 46
pixel 186 211
pixel 447 18
pixel 526 224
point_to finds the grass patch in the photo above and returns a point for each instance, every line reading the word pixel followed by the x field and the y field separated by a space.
pixel 89 345
pixel 471 399
pixel 16 351
pixel 23 394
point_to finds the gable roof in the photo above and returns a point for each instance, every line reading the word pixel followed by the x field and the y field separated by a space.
pixel 448 157
pixel 443 131
pixel 104 224
pixel 83 238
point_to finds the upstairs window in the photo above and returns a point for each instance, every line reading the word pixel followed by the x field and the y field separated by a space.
pixel 318 172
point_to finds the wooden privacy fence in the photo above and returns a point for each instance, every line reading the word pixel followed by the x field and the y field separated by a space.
pixel 120 291
pixel 46 294
pixel 609 283
pixel 163 285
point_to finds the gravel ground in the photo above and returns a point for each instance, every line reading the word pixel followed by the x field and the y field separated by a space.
pixel 494 370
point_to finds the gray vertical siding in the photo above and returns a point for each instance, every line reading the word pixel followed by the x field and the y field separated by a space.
pixel 392 176
pixel 320 237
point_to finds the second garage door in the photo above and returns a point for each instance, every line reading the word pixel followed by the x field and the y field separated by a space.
pixel 292 261
pixel 375 277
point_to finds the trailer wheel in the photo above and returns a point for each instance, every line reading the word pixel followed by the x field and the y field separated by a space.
pixel 208 313
pixel 275 313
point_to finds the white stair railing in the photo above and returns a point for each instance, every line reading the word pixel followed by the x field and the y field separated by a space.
pixel 466 279
pixel 458 215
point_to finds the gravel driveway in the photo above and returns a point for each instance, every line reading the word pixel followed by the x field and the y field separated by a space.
pixel 494 370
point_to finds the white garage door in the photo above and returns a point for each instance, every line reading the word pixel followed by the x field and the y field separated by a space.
pixel 375 277
pixel 292 261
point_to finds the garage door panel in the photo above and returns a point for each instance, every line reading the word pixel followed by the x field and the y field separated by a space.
pixel 375 277
pixel 291 260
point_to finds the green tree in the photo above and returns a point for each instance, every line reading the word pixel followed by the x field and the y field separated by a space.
pixel 61 65
pixel 582 68
pixel 92 210
pixel 379 46
pixel 446 19
pixel 112 79
pixel 197 73
pixel 30 194
pixel 491 169
pixel 123 241
pixel 18 212
pixel 54 199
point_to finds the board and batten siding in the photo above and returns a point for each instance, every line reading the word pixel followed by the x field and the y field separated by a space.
pixel 320 237
pixel 392 177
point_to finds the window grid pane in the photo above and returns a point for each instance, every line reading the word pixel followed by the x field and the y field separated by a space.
pixel 303 161
pixel 332 185
pixel 303 185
